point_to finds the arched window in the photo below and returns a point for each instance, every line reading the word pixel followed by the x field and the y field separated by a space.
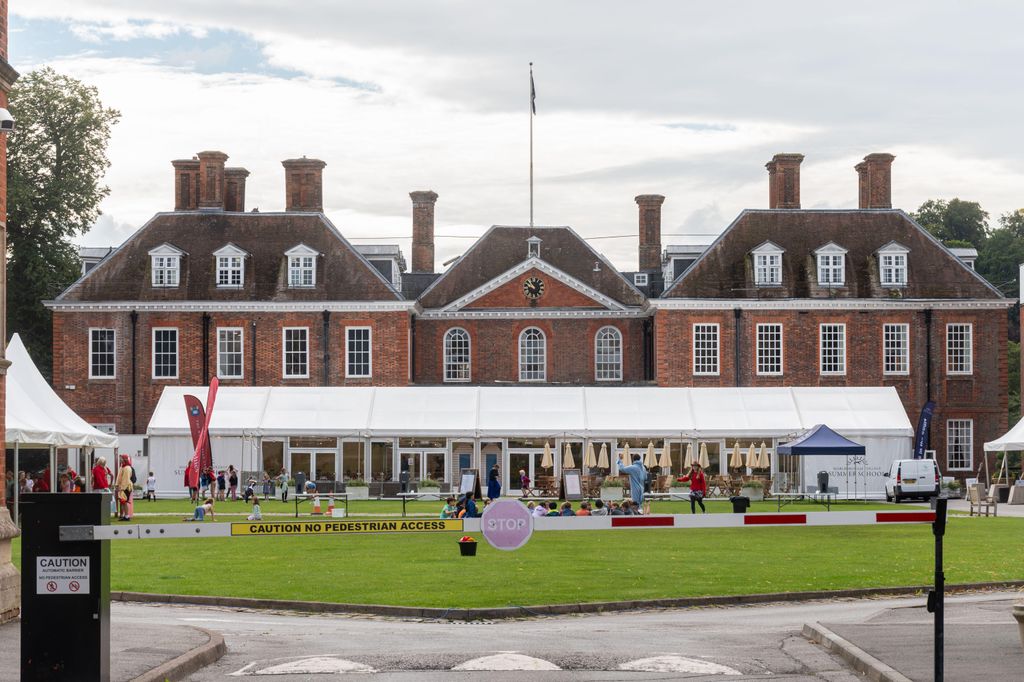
pixel 532 355
pixel 608 354
pixel 456 355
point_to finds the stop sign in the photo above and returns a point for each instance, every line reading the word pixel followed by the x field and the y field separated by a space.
pixel 507 524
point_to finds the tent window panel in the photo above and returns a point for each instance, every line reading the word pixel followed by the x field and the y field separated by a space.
pixel 896 348
pixel 165 353
pixel 833 348
pixel 705 349
pixel 273 457
pixel 296 352
pixel 101 353
pixel 229 353
pixel 456 355
pixel 960 444
pixel 352 461
pixel 608 354
pixel 769 349
pixel 382 466
pixel 959 349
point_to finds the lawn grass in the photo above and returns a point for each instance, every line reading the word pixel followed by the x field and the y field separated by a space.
pixel 586 566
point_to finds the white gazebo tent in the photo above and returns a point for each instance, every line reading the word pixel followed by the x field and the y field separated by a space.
pixel 38 418
pixel 1011 441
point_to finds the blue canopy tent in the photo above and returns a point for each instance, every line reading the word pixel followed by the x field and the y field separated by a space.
pixel 821 440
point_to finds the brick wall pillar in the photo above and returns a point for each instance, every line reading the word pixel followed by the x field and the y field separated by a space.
pixel 186 184
pixel 875 174
pixel 211 179
pixel 423 230
pixel 303 185
pixel 784 180
pixel 650 230
pixel 234 189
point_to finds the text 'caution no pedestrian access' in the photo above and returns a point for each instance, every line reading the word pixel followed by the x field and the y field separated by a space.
pixel 340 527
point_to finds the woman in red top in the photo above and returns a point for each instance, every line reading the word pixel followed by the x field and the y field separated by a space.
pixel 100 475
pixel 698 487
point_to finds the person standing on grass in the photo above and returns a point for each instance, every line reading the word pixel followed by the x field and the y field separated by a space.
pixel 698 487
pixel 493 483
pixel 232 482
pixel 101 476
pixel 193 492
pixel 637 473
pixel 151 487
pixel 125 487
pixel 282 481
pixel 222 487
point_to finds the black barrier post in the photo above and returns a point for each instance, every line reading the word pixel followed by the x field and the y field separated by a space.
pixel 936 597
pixel 65 589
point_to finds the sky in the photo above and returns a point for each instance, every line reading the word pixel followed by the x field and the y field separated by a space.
pixel 685 99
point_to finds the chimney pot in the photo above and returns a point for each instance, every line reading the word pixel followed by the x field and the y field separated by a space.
pixel 650 230
pixel 211 179
pixel 875 181
pixel 784 180
pixel 303 185
pixel 234 189
pixel 423 230
pixel 186 184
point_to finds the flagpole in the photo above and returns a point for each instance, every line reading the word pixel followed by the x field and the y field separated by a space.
pixel 531 142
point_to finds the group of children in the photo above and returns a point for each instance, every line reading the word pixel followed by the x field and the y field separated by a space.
pixel 597 508
pixel 206 509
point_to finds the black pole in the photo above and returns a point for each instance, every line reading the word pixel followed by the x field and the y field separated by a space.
pixel 135 323
pixel 252 325
pixel 327 346
pixel 737 314
pixel 936 598
pixel 206 349
pixel 928 354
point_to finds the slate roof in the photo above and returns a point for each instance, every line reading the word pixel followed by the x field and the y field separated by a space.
pixel 501 248
pixel 342 274
pixel 725 270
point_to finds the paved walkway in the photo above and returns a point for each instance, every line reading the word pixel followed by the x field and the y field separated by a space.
pixel 1015 510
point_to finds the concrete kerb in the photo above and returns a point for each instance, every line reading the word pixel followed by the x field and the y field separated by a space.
pixel 189 662
pixel 860 660
pixel 508 612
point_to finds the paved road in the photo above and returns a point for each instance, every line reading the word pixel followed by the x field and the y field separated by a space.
pixel 756 642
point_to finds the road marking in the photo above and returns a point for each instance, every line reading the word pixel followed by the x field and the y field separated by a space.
pixel 311 665
pixel 678 664
pixel 507 661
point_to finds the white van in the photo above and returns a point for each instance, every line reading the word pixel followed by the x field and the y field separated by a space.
pixel 912 478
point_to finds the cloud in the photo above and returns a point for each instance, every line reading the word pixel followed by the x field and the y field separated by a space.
pixel 131 30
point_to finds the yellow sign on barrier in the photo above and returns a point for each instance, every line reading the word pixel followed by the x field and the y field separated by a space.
pixel 331 527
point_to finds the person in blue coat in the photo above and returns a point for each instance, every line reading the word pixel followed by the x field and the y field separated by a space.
pixel 637 473
pixel 493 483
pixel 471 511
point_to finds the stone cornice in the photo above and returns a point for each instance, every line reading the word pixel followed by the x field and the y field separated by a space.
pixel 532 314
pixel 231 306
pixel 831 304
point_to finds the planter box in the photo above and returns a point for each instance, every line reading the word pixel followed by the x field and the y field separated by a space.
pixel 755 494
pixel 358 492
pixel 609 494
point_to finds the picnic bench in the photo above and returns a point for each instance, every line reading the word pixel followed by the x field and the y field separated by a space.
pixel 434 494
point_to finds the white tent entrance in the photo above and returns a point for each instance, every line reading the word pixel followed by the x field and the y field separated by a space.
pixel 427 430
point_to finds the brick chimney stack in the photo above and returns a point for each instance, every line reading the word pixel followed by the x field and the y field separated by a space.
pixel 784 180
pixel 186 184
pixel 650 230
pixel 423 230
pixel 211 179
pixel 304 185
pixel 234 189
pixel 874 181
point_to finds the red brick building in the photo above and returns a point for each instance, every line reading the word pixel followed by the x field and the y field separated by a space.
pixel 784 297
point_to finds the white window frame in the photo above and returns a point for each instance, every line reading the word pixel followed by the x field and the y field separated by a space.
pixel 952 425
pixel 298 266
pixel 369 352
pixel 533 247
pixel 152 353
pixel 453 369
pixel 285 351
pixel 768 265
pixel 113 352
pixel 543 355
pixel 965 364
pixel 164 261
pixel 841 328
pixel 241 353
pixel 229 259
pixel 640 279
pixel 609 369
pixel 831 261
pixel 893 265
pixel 704 364
pixel 896 346
pixel 761 345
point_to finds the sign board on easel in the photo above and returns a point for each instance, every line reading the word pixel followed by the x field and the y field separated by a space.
pixel 572 485
pixel 469 481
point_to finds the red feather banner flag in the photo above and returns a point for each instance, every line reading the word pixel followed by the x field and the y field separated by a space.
pixel 199 424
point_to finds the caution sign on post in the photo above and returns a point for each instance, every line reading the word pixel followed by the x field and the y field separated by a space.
pixel 62 575
pixel 330 527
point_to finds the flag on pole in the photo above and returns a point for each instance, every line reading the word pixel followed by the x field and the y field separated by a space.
pixel 533 92
pixel 204 436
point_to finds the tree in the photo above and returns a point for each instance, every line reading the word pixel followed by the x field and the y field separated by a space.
pixel 1000 256
pixel 954 220
pixel 55 168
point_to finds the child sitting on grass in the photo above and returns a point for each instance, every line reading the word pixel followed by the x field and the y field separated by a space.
pixel 257 513
pixel 201 511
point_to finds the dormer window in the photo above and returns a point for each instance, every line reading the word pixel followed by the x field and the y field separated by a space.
pixel 831 265
pixel 892 265
pixel 640 279
pixel 230 267
pixel 768 265
pixel 165 266
pixel 533 247
pixel 301 266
